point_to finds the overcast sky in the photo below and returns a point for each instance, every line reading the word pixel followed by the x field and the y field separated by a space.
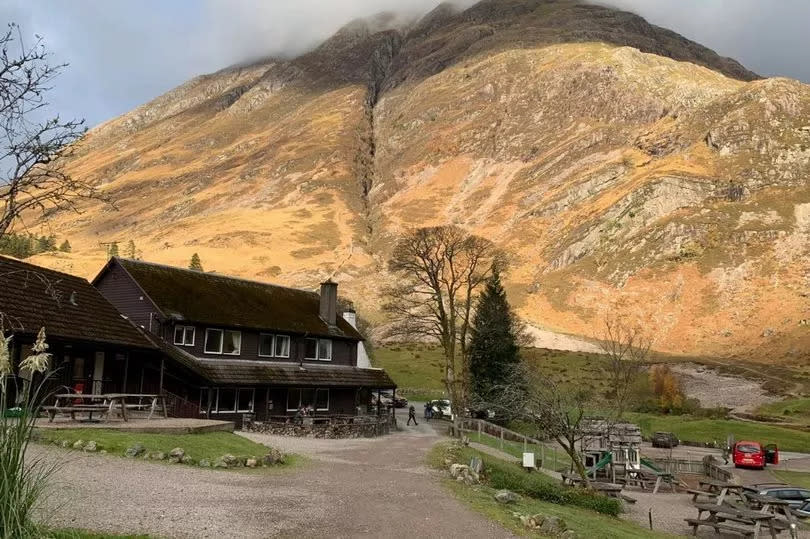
pixel 122 53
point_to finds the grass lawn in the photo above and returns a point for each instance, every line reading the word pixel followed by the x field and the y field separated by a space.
pixel 716 430
pixel 416 368
pixel 209 445
pixel 584 522
pixel 796 410
pixel 798 479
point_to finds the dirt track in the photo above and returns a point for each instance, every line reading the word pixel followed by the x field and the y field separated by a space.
pixel 354 488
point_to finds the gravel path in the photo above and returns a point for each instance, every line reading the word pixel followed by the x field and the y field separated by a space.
pixel 351 488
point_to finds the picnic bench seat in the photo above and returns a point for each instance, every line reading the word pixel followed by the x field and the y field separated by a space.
pixel 696 493
pixel 90 408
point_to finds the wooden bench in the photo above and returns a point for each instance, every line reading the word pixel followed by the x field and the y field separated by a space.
pixel 89 408
pixel 695 493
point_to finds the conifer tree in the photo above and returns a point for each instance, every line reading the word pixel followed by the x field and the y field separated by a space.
pixel 112 249
pixel 494 345
pixel 196 263
pixel 131 252
pixel 65 247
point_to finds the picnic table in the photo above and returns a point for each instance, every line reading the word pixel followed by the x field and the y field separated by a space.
pixel 104 404
pixel 773 505
pixel 612 490
pixel 718 489
pixel 729 518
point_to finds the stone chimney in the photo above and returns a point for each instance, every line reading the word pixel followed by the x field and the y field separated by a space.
pixel 329 302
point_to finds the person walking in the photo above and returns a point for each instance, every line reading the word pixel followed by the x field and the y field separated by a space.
pixel 412 415
pixel 428 410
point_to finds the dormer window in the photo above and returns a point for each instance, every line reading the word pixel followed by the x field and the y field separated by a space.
pixel 274 345
pixel 318 349
pixel 223 341
pixel 184 335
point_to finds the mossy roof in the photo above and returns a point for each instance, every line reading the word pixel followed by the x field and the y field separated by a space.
pixel 214 299
pixel 68 307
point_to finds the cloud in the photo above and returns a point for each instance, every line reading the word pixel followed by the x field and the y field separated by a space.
pixel 125 53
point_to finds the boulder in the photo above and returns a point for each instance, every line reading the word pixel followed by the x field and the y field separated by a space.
pixel 506 496
pixel 157 455
pixel 173 460
pixel 78 444
pixel 219 463
pixel 251 462
pixel 230 460
pixel 552 526
pixel 91 446
pixel 204 463
pixel 64 443
pixel 187 460
pixel 539 518
pixel 273 457
pixel 102 452
pixel 457 469
pixel 135 451
pixel 177 452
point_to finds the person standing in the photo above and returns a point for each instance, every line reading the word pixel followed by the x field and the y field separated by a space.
pixel 412 415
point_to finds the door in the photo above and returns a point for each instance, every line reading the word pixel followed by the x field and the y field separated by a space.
pixel 98 374
pixel 771 454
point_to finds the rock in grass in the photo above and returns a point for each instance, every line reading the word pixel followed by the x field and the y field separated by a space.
pixel 78 444
pixel 273 457
pixel 220 463
pixel 91 446
pixel 230 460
pixel 552 526
pixel 251 462
pixel 173 460
pixel 177 452
pixel 64 443
pixel 204 463
pixel 157 455
pixel 135 451
pixel 187 460
pixel 506 496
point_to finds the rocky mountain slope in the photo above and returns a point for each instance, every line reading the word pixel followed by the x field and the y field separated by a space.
pixel 623 167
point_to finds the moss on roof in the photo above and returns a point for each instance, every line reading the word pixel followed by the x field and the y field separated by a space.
pixel 210 298
pixel 68 307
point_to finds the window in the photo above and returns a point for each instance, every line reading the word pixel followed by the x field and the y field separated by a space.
pixel 232 343
pixel 322 400
pixel 319 349
pixel 265 345
pixel 307 396
pixel 325 349
pixel 226 400
pixel 218 341
pixel 184 335
pixel 274 345
pixel 245 401
pixel 282 346
pixel 213 341
pixel 311 349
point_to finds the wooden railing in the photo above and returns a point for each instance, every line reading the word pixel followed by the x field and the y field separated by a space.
pixel 177 406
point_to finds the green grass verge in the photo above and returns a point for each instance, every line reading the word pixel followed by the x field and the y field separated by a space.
pixel 716 430
pixel 584 522
pixel 796 410
pixel 797 479
pixel 209 445
pixel 555 459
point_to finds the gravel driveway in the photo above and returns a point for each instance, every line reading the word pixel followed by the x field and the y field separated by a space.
pixel 351 488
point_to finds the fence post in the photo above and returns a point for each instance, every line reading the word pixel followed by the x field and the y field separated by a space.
pixel 479 430
pixel 543 462
pixel 525 445
pixel 501 438
pixel 555 458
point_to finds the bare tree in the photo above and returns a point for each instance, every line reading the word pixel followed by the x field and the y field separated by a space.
pixel 439 271
pixel 559 412
pixel 627 349
pixel 33 151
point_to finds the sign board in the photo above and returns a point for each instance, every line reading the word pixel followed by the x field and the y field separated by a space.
pixel 528 460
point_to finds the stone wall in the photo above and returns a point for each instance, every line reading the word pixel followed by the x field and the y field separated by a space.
pixel 337 427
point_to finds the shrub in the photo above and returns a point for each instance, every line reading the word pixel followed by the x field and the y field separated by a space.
pixel 503 475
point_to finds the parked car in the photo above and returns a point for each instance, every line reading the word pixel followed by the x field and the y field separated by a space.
pixel 797 497
pixel 747 454
pixel 664 439
pixel 442 409
pixel 803 510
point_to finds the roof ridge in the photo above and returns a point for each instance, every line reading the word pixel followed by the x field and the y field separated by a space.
pixel 212 274
pixel 34 267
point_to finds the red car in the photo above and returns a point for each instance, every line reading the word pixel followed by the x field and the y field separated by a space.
pixel 753 455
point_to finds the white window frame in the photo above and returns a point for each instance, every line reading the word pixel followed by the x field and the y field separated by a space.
pixel 286 338
pixel 252 399
pixel 235 401
pixel 185 334
pixel 272 344
pixel 287 404
pixel 318 349
pixel 221 340
pixel 330 350
pixel 238 351
pixel 328 396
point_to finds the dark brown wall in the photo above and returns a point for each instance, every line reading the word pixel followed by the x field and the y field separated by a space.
pixel 343 352
pixel 120 290
pixel 342 400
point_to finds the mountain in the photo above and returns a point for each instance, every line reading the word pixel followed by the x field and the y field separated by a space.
pixel 623 167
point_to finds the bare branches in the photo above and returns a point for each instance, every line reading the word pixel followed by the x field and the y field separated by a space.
pixel 627 349
pixel 438 271
pixel 32 152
